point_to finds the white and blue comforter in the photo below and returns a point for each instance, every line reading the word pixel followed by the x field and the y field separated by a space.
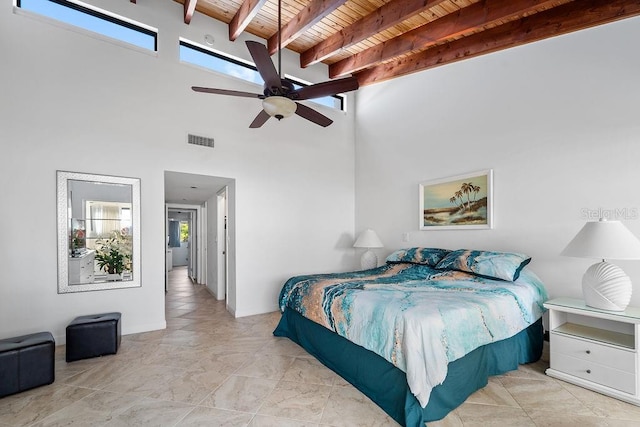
pixel 417 318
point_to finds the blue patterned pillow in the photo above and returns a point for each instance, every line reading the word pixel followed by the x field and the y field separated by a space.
pixel 495 265
pixel 426 256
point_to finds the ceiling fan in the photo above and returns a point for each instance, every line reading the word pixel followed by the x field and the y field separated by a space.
pixel 279 98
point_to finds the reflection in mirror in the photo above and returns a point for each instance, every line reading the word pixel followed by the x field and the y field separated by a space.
pixel 98 232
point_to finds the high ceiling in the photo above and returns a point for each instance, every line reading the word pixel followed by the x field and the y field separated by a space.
pixel 377 40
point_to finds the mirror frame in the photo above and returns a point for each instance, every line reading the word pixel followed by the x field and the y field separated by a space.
pixel 63 178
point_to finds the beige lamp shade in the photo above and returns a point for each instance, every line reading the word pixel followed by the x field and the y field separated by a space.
pixel 605 240
pixel 368 239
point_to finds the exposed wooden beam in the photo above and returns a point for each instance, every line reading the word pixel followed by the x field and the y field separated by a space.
pixel 308 17
pixel 244 15
pixel 189 8
pixel 379 20
pixel 570 17
pixel 471 18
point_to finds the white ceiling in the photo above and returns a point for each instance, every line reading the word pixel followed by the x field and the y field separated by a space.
pixel 191 189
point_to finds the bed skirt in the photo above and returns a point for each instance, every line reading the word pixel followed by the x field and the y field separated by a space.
pixel 387 386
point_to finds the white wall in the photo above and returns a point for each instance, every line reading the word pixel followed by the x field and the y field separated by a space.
pixel 558 121
pixel 74 102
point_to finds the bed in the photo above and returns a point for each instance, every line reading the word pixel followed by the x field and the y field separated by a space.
pixel 421 333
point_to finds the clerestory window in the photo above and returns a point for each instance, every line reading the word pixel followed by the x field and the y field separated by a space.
pixel 96 20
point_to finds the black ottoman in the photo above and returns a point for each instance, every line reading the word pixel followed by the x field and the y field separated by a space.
pixel 92 336
pixel 26 362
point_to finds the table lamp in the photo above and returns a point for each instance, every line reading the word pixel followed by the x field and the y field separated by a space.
pixel 605 285
pixel 368 239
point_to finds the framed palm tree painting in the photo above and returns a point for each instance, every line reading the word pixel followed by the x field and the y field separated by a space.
pixel 457 202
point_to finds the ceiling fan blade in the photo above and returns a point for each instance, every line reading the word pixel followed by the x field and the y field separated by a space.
pixel 226 92
pixel 312 115
pixel 260 119
pixel 265 66
pixel 328 88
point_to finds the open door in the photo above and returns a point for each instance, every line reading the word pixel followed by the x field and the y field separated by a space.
pixel 222 244
pixel 168 261
pixel 192 241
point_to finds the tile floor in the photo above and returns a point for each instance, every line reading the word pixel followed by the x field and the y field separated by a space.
pixel 209 369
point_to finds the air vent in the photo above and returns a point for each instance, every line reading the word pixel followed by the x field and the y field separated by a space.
pixel 200 140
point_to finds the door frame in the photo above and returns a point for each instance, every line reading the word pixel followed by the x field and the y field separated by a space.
pixel 198 238
pixel 222 244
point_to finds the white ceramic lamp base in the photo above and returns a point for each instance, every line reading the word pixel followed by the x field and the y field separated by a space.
pixel 369 260
pixel 607 287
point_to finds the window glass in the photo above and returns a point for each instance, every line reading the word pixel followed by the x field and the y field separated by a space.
pixel 93 20
pixel 184 231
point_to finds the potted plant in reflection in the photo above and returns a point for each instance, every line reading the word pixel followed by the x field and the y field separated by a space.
pixel 113 254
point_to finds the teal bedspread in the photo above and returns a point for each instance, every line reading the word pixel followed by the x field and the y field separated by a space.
pixel 415 317
pixel 386 385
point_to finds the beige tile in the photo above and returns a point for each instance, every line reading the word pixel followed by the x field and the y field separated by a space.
pixel 146 336
pixel 472 414
pixel 533 371
pixel 189 386
pixel 268 366
pixel 142 381
pixel 266 421
pixel 100 376
pixel 493 393
pixel 341 382
pixel 296 401
pixel 602 405
pixel 181 338
pixel 555 419
pixel 174 323
pixel 239 393
pixel 206 327
pixel 134 352
pixel 173 356
pixel 309 371
pixel 242 344
pixel 349 408
pixel 612 422
pixel 95 409
pixel 284 347
pixel 36 404
pixel 227 363
pixel 211 417
pixel 149 412
pixel 451 420
pixel 544 395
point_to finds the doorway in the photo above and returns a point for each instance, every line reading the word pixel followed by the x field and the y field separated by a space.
pixel 183 240
pixel 210 202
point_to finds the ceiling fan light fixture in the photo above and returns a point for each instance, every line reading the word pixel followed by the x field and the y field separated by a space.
pixel 279 107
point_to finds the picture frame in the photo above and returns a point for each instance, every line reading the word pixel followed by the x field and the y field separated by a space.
pixel 461 202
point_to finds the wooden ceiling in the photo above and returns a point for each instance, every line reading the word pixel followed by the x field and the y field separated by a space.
pixel 377 40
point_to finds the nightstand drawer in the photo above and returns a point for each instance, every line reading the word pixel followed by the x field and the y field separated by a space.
pixel 595 372
pixel 605 355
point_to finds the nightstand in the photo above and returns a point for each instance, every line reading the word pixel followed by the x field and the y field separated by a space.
pixel 596 349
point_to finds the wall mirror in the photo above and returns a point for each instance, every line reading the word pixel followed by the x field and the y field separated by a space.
pixel 98 232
